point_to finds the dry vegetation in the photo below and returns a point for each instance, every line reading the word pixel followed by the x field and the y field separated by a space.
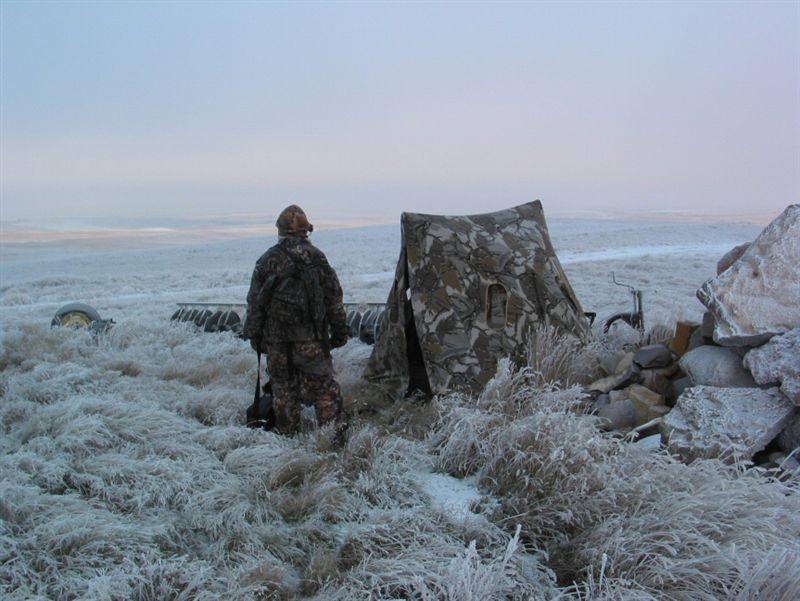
pixel 126 475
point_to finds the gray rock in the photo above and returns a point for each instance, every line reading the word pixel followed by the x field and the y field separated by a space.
pixel 648 404
pixel 679 386
pixel 653 356
pixel 593 420
pixel 611 362
pixel 759 295
pixel 704 334
pixel 697 339
pixel 784 462
pixel 790 464
pixel 651 443
pixel 659 380
pixel 778 362
pixel 789 439
pixel 707 325
pixel 727 423
pixel 617 395
pixel 619 415
pixel 730 257
pixel 625 362
pixel 618 380
pixel 716 366
pixel 601 401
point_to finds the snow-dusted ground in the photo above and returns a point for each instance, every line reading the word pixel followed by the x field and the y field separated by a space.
pixel 126 473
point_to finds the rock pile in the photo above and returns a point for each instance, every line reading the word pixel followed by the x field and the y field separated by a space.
pixel 729 387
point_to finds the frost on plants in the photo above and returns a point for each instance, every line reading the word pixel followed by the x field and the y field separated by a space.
pixel 127 473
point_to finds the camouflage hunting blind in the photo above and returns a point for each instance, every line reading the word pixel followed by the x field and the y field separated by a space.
pixel 467 291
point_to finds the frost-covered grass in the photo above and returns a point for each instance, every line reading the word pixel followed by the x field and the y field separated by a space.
pixel 126 473
pixel 616 520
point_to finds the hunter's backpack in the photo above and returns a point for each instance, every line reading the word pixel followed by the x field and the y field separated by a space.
pixel 296 302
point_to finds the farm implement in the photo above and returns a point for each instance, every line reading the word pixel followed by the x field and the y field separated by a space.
pixel 364 320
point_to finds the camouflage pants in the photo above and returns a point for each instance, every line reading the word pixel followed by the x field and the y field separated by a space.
pixel 302 373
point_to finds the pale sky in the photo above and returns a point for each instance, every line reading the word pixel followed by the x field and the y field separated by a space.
pixel 363 110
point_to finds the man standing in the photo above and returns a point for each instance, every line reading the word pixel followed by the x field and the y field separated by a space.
pixel 295 315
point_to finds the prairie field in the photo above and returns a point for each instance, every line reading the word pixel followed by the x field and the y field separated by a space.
pixel 126 471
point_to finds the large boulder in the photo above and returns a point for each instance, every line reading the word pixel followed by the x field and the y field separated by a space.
pixel 728 423
pixel 715 366
pixel 778 362
pixel 758 296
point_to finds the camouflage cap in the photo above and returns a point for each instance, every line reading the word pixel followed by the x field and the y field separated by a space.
pixel 293 222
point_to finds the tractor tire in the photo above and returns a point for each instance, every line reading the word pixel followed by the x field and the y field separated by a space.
pixel 202 317
pixel 230 321
pixel 76 315
pixel 353 323
pixel 366 332
pixel 212 323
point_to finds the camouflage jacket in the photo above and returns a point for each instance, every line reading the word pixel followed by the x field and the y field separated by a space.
pixel 292 254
